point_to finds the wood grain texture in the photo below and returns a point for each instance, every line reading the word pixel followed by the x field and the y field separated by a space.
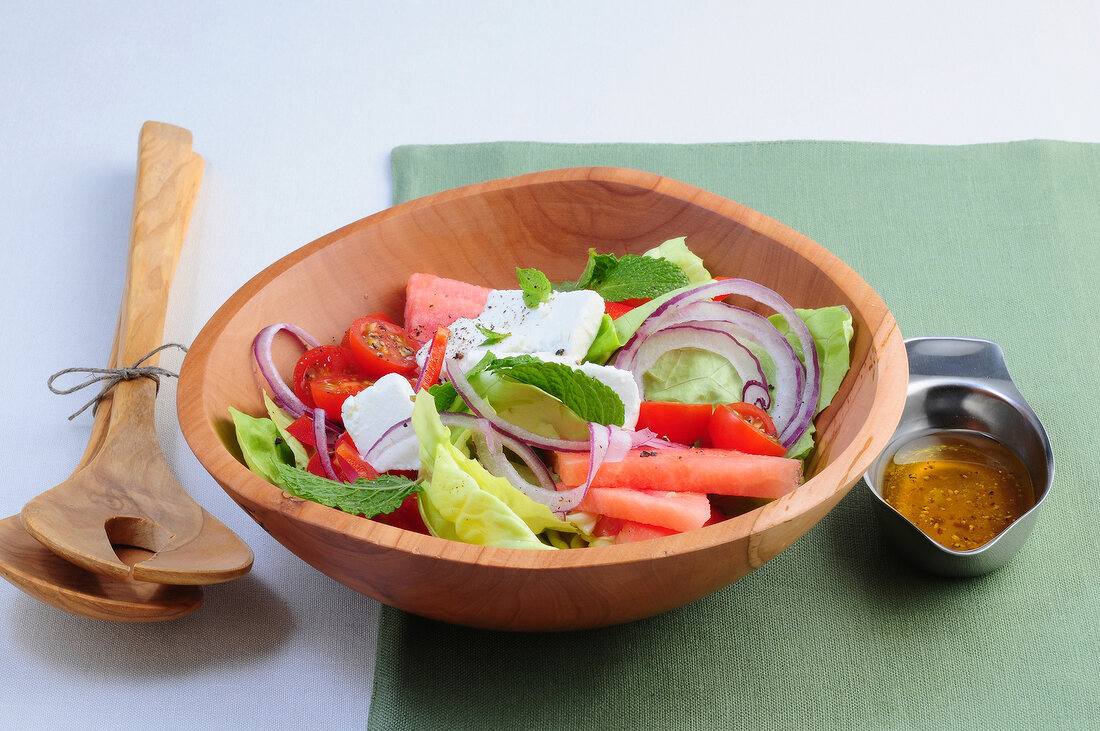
pixel 480 233
pixel 123 492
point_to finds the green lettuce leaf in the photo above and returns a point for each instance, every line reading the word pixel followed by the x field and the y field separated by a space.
pixel 282 420
pixel 262 445
pixel 605 344
pixel 677 252
pixel 832 330
pixel 461 500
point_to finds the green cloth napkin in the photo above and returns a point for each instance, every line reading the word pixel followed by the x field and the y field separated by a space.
pixel 997 241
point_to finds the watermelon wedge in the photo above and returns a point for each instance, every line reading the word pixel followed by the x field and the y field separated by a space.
pixel 632 532
pixel 704 470
pixel 678 511
pixel 431 302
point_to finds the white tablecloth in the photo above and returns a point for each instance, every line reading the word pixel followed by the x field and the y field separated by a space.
pixel 295 109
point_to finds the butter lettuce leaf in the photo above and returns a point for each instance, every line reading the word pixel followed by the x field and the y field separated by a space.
pixel 832 330
pixel 461 500
pixel 262 445
pixel 282 420
pixel 677 252
pixel 605 343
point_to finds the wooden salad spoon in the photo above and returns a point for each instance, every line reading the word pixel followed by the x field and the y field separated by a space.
pixel 122 501
pixel 44 575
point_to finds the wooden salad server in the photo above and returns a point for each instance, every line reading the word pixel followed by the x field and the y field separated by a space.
pixel 44 575
pixel 123 495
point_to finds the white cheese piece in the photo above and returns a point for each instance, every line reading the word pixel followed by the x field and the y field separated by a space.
pixel 566 325
pixel 622 383
pixel 370 413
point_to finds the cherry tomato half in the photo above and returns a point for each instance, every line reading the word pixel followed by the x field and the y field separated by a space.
pixel 321 362
pixel 407 517
pixel 682 423
pixel 380 347
pixel 330 392
pixel 745 428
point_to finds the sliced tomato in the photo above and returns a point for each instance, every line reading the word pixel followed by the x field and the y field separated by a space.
pixel 302 430
pixel 720 297
pixel 745 428
pixel 618 309
pixel 321 362
pixel 407 517
pixel 437 353
pixel 346 342
pixel 354 465
pixel 380 347
pixel 682 423
pixel 330 392
pixel 314 465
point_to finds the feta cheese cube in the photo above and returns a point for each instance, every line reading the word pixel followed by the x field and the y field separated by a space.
pixel 373 411
pixel 566 325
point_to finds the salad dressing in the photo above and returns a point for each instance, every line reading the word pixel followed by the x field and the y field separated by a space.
pixel 962 489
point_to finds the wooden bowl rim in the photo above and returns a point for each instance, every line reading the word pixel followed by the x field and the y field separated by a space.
pixel 833 481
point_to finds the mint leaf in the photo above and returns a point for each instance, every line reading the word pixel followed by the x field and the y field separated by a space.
pixel 587 397
pixel 638 277
pixel 629 277
pixel 535 285
pixel 597 270
pixel 384 494
pixel 445 396
pixel 492 337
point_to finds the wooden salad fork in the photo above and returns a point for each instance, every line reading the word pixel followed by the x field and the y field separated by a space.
pixel 122 513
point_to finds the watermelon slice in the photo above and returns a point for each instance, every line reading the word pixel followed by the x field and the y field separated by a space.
pixel 632 532
pixel 431 302
pixel 678 511
pixel 704 470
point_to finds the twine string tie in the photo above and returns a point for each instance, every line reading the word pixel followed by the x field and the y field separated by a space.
pixel 111 377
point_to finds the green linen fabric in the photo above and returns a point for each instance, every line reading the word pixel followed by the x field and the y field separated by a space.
pixel 998 241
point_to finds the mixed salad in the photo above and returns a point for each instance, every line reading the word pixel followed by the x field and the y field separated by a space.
pixel 638 401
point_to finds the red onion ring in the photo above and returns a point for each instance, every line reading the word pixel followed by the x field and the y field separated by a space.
pixel 810 387
pixel 282 394
pixel 708 336
pixel 320 435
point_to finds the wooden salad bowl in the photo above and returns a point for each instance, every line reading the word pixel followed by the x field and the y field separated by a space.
pixel 481 233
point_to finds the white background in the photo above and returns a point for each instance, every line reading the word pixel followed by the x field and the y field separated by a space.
pixel 295 108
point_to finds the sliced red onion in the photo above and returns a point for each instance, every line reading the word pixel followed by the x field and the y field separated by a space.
pixel 282 393
pixel 383 452
pixel 810 387
pixel 320 435
pixel 711 337
pixel 748 328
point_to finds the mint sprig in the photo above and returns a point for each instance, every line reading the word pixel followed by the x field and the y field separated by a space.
pixel 384 494
pixel 587 397
pixel 627 277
